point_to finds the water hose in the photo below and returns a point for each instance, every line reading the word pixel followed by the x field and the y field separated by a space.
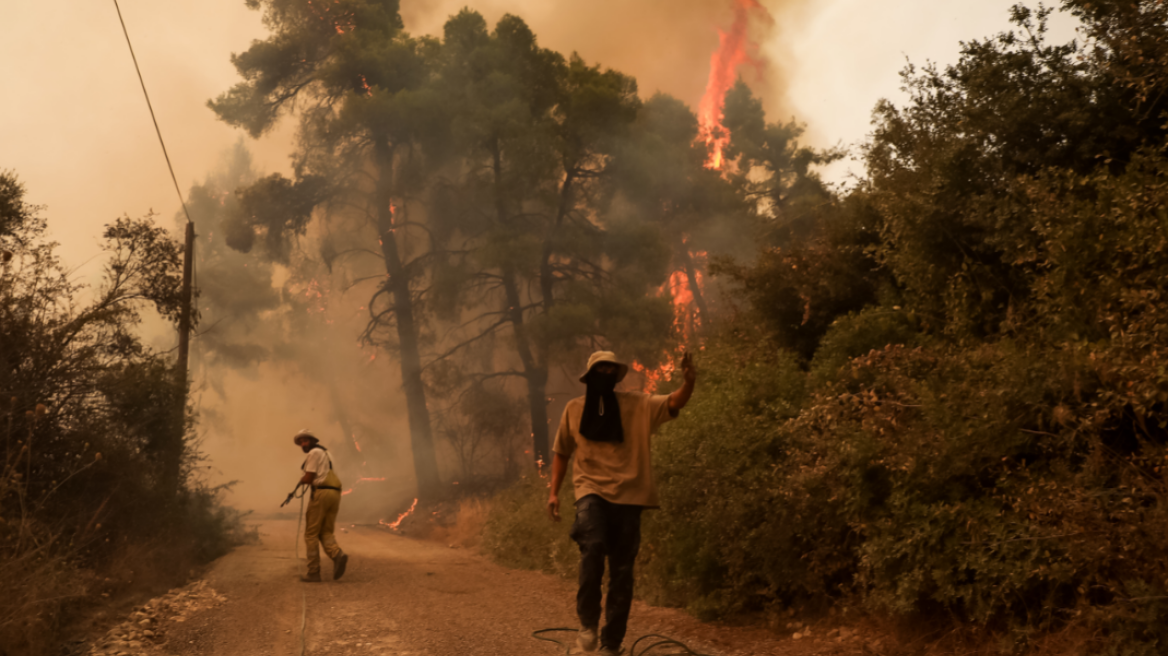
pixel 303 595
pixel 662 641
pixel 299 518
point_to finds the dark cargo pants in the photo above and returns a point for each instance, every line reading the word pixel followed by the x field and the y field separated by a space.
pixel 604 529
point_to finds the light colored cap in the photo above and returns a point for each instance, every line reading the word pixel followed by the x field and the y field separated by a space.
pixel 605 356
pixel 303 432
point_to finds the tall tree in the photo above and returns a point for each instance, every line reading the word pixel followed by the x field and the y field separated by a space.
pixel 948 171
pixel 813 266
pixel 535 134
pixel 358 83
pixel 770 167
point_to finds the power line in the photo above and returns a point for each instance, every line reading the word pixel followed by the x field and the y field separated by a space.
pixel 152 117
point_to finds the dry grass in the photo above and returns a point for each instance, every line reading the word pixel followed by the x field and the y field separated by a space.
pixel 466 529
pixel 40 583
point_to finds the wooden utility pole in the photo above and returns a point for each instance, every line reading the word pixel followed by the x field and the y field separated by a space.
pixel 184 321
pixel 172 458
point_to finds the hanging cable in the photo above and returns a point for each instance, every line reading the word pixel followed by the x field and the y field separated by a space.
pixel 152 117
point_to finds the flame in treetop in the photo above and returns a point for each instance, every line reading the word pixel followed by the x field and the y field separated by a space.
pixel 735 48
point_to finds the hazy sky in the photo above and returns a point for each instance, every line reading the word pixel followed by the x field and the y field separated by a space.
pixel 75 128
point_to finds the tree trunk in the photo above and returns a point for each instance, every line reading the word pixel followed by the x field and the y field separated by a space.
pixel 347 444
pixel 534 371
pixel 546 275
pixel 692 276
pixel 398 284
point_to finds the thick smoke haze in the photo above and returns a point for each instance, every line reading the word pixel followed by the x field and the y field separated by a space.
pixel 75 128
pixel 665 44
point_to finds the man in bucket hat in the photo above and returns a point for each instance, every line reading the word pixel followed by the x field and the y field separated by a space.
pixel 321 519
pixel 608 432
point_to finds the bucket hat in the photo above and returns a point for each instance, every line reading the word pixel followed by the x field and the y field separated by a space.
pixel 605 356
pixel 304 434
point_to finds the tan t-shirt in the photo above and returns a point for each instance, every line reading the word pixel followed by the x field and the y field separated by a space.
pixel 618 472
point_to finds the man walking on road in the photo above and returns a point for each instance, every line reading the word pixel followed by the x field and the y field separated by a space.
pixel 608 432
pixel 321 519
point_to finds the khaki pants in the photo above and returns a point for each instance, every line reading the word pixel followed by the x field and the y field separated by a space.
pixel 319 523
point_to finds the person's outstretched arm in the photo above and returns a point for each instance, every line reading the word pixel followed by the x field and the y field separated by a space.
pixel 680 396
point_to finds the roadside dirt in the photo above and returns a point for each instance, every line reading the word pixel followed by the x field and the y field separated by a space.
pixel 405 597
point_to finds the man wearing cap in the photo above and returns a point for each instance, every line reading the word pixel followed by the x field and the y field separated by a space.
pixel 321 519
pixel 608 433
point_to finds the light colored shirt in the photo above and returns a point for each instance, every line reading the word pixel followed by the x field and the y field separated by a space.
pixel 318 463
pixel 617 472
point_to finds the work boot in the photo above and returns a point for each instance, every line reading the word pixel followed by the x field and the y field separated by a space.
pixel 586 639
pixel 339 566
pixel 311 578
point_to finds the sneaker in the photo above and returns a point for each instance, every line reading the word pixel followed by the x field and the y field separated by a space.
pixel 339 566
pixel 311 578
pixel 586 639
pixel 609 651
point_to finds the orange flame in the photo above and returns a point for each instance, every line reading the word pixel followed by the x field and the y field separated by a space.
pixel 734 48
pixel 396 523
pixel 686 321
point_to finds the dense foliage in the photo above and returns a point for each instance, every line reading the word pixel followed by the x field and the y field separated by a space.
pixel 96 489
pixel 981 436
pixel 952 404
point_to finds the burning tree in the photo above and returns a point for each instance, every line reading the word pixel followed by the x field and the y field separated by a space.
pixel 661 182
pixel 735 48
pixel 518 197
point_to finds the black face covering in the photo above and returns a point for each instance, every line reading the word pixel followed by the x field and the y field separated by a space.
pixel 601 421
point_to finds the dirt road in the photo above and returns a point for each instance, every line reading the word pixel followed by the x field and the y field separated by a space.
pixel 402 597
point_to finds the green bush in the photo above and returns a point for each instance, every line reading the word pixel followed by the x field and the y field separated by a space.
pixel 723 529
pixel 858 333
pixel 96 492
pixel 985 484
pixel 989 449
pixel 518 532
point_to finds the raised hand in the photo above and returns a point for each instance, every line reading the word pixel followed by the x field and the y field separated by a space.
pixel 688 371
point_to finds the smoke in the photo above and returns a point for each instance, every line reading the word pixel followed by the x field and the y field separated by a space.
pixel 665 44
pixel 277 351
pixel 266 361
pixel 76 127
